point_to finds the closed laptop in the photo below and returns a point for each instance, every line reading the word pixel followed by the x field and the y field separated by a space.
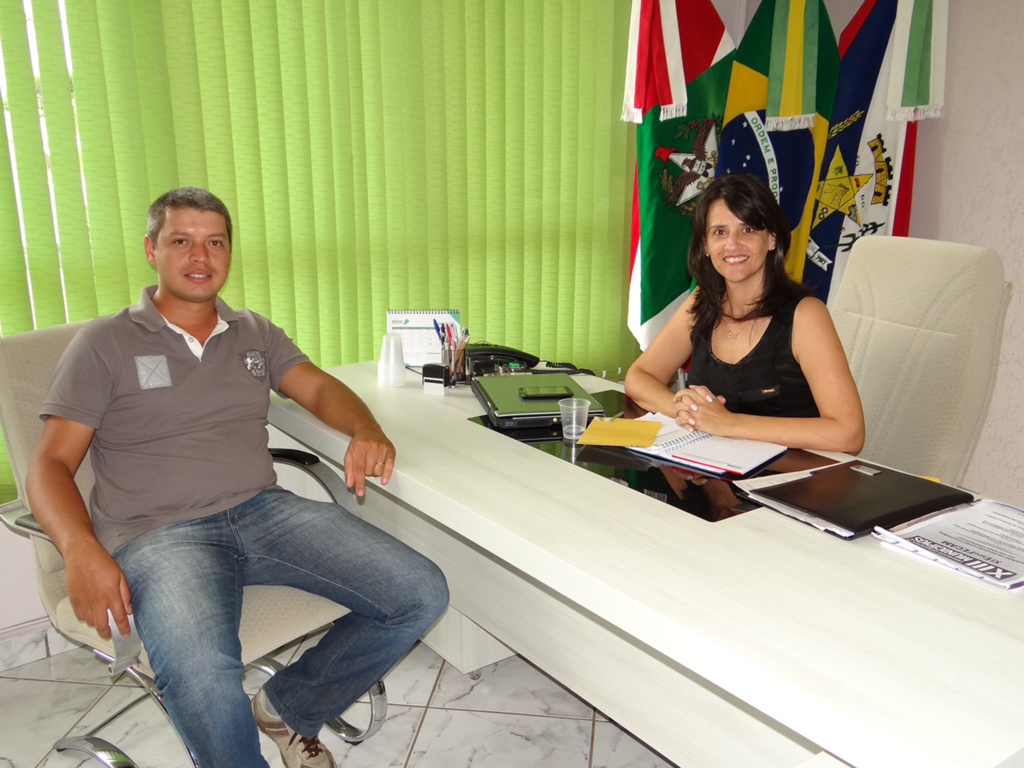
pixel 528 400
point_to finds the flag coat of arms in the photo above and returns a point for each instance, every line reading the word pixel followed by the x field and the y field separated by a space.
pixel 677 77
pixel 891 49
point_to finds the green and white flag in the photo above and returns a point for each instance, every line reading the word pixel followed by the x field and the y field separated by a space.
pixel 918 78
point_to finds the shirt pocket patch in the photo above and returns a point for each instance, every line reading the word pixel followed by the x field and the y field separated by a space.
pixel 255 362
pixel 153 371
pixel 761 402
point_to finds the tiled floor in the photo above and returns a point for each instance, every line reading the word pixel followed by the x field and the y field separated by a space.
pixel 513 716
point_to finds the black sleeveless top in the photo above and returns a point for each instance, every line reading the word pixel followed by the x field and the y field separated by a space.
pixel 767 382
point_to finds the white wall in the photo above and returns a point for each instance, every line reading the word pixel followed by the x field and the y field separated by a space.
pixel 967 190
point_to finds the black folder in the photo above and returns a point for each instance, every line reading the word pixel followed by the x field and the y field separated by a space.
pixel 858 496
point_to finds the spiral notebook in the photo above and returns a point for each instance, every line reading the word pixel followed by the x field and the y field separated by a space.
pixel 420 344
pixel 708 454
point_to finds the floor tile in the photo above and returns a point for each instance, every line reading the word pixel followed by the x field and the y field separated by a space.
pixel 16 651
pixel 57 643
pixel 412 680
pixel 143 733
pixel 614 748
pixel 511 685
pixel 457 739
pixel 34 714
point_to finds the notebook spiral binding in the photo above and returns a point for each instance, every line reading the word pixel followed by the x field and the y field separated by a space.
pixel 687 439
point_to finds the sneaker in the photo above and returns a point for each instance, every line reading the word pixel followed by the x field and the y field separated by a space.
pixel 296 751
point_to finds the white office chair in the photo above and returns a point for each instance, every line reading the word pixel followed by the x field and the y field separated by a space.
pixel 921 322
pixel 271 616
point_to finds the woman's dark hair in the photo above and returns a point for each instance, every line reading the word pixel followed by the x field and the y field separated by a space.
pixel 752 202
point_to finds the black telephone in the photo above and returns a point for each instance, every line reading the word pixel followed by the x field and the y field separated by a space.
pixel 488 359
pixel 485 358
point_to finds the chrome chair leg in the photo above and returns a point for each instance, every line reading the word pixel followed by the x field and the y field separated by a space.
pixel 378 711
pixel 98 749
pixel 89 741
pixel 348 732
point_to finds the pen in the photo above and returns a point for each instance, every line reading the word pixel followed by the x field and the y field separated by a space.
pixel 437 330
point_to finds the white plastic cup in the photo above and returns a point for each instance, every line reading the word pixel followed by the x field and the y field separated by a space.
pixel 574 412
pixel 391 366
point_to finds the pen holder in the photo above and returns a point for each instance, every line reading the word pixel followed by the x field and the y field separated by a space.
pixel 454 361
pixel 463 370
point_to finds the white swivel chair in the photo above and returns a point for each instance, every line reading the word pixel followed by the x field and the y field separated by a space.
pixel 921 322
pixel 271 616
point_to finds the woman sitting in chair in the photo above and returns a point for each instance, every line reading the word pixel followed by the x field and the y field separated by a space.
pixel 766 362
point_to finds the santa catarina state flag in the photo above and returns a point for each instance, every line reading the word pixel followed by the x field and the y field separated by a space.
pixel 781 90
pixel 679 63
pixel 866 179
pixel 859 180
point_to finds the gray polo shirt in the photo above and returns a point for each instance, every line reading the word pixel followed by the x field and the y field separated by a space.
pixel 177 437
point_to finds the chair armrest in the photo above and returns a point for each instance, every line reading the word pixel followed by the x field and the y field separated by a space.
pixel 328 479
pixel 126 649
pixel 20 520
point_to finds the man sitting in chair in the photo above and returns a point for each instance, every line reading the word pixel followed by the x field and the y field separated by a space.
pixel 171 397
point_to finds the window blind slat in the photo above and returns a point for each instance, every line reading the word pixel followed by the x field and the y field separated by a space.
pixel 298 152
pixel 273 162
pixel 346 233
pixel 37 218
pixel 250 235
pixel 65 166
pixel 120 53
pixel 214 100
pixel 99 166
pixel 153 74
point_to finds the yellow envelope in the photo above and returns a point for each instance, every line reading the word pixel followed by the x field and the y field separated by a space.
pixel 604 431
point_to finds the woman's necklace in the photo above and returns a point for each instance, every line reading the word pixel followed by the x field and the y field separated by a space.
pixel 739 328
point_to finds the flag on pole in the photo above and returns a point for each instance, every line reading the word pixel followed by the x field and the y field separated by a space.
pixel 679 60
pixel 918 80
pixel 859 181
pixel 786 65
pixel 866 182
pixel 802 43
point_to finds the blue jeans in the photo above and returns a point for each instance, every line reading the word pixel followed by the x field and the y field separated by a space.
pixel 186 582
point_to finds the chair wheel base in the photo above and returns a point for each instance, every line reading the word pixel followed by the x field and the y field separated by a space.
pixel 378 711
pixel 98 749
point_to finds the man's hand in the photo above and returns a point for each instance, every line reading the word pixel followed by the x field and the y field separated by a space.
pixel 96 583
pixel 370 454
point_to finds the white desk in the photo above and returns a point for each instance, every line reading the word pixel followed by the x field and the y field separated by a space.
pixel 768 640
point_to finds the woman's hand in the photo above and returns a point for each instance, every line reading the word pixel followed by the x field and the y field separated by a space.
pixel 697 408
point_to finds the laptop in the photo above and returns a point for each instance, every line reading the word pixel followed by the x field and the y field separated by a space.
pixel 528 400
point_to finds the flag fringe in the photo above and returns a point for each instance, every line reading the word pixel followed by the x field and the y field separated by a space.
pixel 632 115
pixel 670 111
pixel 791 123
pixel 898 114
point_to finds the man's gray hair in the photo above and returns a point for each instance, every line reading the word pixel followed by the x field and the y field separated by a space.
pixel 196 198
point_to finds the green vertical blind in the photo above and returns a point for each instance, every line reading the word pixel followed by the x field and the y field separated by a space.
pixel 375 154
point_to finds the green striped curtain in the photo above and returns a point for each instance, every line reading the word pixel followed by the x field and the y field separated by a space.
pixel 376 154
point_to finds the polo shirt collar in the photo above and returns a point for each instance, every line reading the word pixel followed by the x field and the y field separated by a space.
pixel 145 313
